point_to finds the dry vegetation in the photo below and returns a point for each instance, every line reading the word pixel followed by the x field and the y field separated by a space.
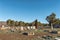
pixel 17 37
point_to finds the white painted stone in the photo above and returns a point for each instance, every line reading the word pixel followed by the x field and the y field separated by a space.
pixel 2 26
pixel 28 27
pixel 33 27
pixel 21 27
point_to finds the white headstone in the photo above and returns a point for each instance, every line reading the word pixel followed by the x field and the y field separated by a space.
pixel 3 26
pixel 21 27
pixel 33 27
pixel 28 27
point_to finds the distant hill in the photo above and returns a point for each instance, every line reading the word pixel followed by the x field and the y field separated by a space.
pixel 2 23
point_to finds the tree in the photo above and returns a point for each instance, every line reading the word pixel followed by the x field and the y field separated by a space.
pixel 57 21
pixel 36 23
pixel 39 23
pixel 26 24
pixel 30 24
pixel 21 23
pixel 10 22
pixel 16 23
pixel 51 18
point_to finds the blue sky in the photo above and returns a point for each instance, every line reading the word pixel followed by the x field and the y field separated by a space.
pixel 28 10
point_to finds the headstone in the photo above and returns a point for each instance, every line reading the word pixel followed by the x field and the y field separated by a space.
pixel 33 27
pixel 21 27
pixel 28 27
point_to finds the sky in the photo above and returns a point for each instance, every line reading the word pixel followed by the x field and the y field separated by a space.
pixel 28 10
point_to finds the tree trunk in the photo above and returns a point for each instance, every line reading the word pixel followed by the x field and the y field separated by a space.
pixel 51 26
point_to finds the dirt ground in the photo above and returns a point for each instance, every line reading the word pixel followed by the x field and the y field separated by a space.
pixel 16 37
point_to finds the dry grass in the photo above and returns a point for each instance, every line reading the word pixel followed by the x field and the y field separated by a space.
pixel 17 37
